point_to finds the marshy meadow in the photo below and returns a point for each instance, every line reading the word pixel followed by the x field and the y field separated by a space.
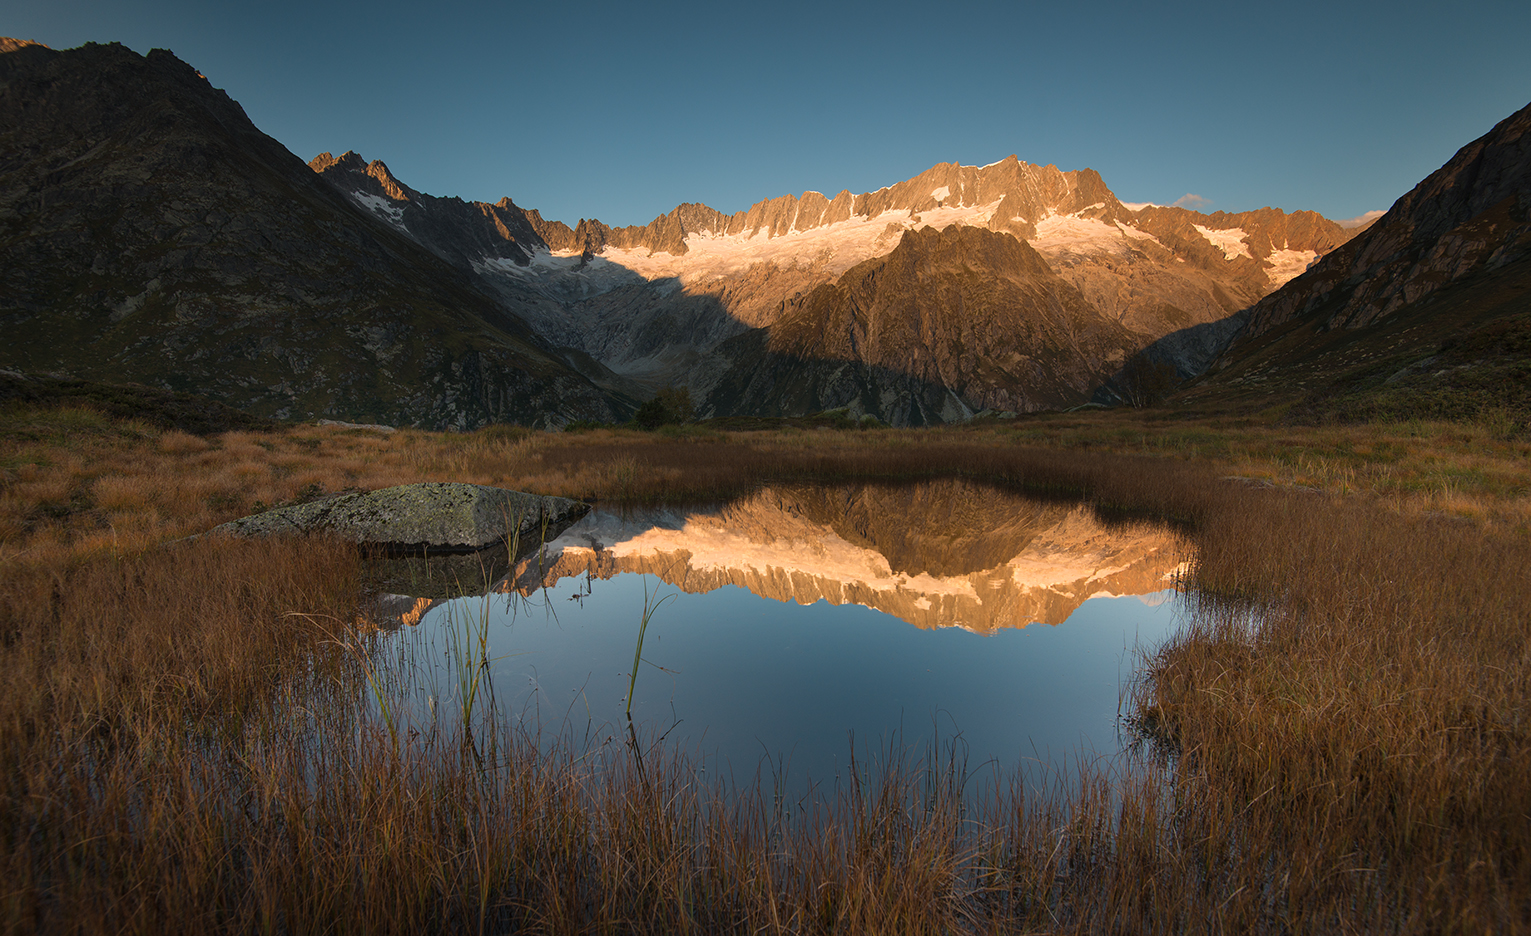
pixel 196 736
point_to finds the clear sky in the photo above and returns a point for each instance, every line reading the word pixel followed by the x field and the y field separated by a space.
pixel 623 110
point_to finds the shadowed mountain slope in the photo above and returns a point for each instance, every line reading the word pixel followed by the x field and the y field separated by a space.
pixel 457 231
pixel 1426 313
pixel 149 232
pixel 974 312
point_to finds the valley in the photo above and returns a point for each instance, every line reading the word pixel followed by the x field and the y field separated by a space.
pixel 1108 566
pixel 709 301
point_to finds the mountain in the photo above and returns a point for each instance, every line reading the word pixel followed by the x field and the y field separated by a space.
pixel 457 231
pixel 709 300
pixel 950 322
pixel 149 232
pixel 1426 313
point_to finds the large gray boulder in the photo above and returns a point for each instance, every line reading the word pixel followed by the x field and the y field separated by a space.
pixel 414 518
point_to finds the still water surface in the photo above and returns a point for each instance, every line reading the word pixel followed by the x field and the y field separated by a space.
pixel 792 621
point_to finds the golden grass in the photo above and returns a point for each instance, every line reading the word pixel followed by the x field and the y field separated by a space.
pixel 1340 738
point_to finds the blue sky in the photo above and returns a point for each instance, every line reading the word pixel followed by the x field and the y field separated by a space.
pixel 622 110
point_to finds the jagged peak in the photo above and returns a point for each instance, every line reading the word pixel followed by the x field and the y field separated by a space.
pixel 352 161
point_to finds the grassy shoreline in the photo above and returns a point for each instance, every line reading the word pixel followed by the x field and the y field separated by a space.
pixel 1359 763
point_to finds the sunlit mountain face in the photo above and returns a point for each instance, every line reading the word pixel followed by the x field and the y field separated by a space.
pixel 942 554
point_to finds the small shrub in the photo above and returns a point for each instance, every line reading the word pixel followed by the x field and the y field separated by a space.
pixel 1144 382
pixel 670 406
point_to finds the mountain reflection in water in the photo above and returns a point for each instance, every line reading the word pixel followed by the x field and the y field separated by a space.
pixel 775 639
pixel 941 554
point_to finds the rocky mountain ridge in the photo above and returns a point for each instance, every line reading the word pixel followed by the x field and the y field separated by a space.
pixel 151 233
pixel 1424 314
pixel 457 231
pixel 676 301
pixel 948 323
pixel 1471 215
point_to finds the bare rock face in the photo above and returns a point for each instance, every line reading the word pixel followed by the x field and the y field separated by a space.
pixel 150 233
pixel 411 518
pixel 457 231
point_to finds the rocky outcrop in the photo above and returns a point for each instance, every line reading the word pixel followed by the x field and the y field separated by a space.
pixel 149 232
pixel 427 517
pixel 8 44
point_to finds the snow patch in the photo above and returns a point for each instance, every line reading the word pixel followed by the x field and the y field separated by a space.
pixel 563 274
pixel 1229 240
pixel 835 247
pixel 1085 235
pixel 1132 232
pixel 942 193
pixel 1285 265
pixel 381 207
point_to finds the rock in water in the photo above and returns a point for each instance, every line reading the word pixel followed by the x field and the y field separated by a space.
pixel 413 518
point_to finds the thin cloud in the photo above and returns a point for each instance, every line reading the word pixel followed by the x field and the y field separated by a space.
pixel 1191 201
pixel 1359 220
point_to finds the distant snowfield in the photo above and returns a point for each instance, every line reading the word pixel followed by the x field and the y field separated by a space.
pixel 831 249
pixel 834 248
pixel 382 207
pixel 1285 265
pixel 1229 240
pixel 1076 234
